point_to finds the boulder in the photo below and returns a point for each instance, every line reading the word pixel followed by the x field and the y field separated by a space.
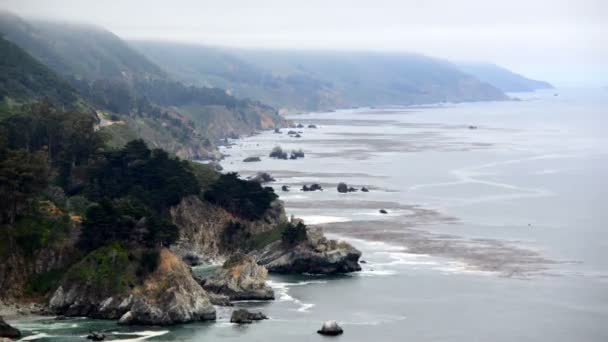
pixel 315 255
pixel 295 154
pixel 242 316
pixel 240 278
pixel 351 189
pixel 297 135
pixel 364 189
pixel 262 177
pixel 330 328
pixel 382 211
pixel 312 126
pixel 285 188
pixel 278 153
pixel 219 299
pixel 300 126
pixel 315 187
pixel 96 336
pixel 292 132
pixel 251 159
pixel 342 187
pixel 8 331
pixel 277 130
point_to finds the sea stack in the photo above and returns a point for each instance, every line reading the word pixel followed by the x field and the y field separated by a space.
pixel 330 328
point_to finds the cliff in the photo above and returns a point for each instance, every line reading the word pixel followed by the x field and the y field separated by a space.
pixel 205 229
pixel 115 289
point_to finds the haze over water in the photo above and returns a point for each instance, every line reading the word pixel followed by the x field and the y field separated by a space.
pixel 493 233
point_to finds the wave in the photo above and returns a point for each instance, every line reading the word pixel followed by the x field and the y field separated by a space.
pixel 282 290
pixel 141 335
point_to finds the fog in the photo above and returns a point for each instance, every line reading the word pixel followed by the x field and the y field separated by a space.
pixel 560 41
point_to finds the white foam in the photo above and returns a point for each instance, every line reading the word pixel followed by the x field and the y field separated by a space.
pixel 375 273
pixel 282 289
pixel 35 337
pixel 321 219
pixel 141 335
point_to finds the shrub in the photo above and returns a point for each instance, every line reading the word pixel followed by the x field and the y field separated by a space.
pixel 294 234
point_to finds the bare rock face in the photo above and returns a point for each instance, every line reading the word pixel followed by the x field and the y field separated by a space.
pixel 241 278
pixel 315 255
pixel 168 295
pixel 202 225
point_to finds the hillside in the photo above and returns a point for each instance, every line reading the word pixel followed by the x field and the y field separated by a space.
pixel 134 96
pixel 502 78
pixel 312 80
pixel 23 78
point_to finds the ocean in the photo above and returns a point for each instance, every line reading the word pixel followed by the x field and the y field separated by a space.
pixel 495 227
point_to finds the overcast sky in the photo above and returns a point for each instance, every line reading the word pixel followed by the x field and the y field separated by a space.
pixel 562 41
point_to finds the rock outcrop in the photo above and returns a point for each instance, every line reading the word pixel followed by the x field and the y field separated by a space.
pixel 262 177
pixel 240 278
pixel 202 225
pixel 315 255
pixel 330 328
pixel 168 295
pixel 242 316
pixel 7 331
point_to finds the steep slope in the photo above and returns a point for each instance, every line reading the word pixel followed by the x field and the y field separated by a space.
pixel 81 51
pixel 22 78
pixel 311 80
pixel 502 78
pixel 140 99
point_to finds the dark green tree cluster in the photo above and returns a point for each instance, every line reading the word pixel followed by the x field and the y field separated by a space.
pixel 293 234
pixel 245 199
pixel 152 176
pixel 67 137
pixel 134 188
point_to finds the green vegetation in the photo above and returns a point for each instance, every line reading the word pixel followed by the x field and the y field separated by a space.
pixel 108 269
pixel 245 199
pixel 22 77
pixel 261 240
pixel 114 79
pixel 294 234
pixel 42 283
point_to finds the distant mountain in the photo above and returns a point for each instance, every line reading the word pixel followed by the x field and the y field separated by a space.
pixel 77 50
pixel 312 80
pixel 120 81
pixel 502 78
pixel 23 78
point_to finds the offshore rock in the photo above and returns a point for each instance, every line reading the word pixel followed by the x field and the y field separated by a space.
pixel 315 255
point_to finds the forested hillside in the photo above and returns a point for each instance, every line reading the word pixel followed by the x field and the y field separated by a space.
pixel 133 96
pixel 22 78
pixel 312 80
